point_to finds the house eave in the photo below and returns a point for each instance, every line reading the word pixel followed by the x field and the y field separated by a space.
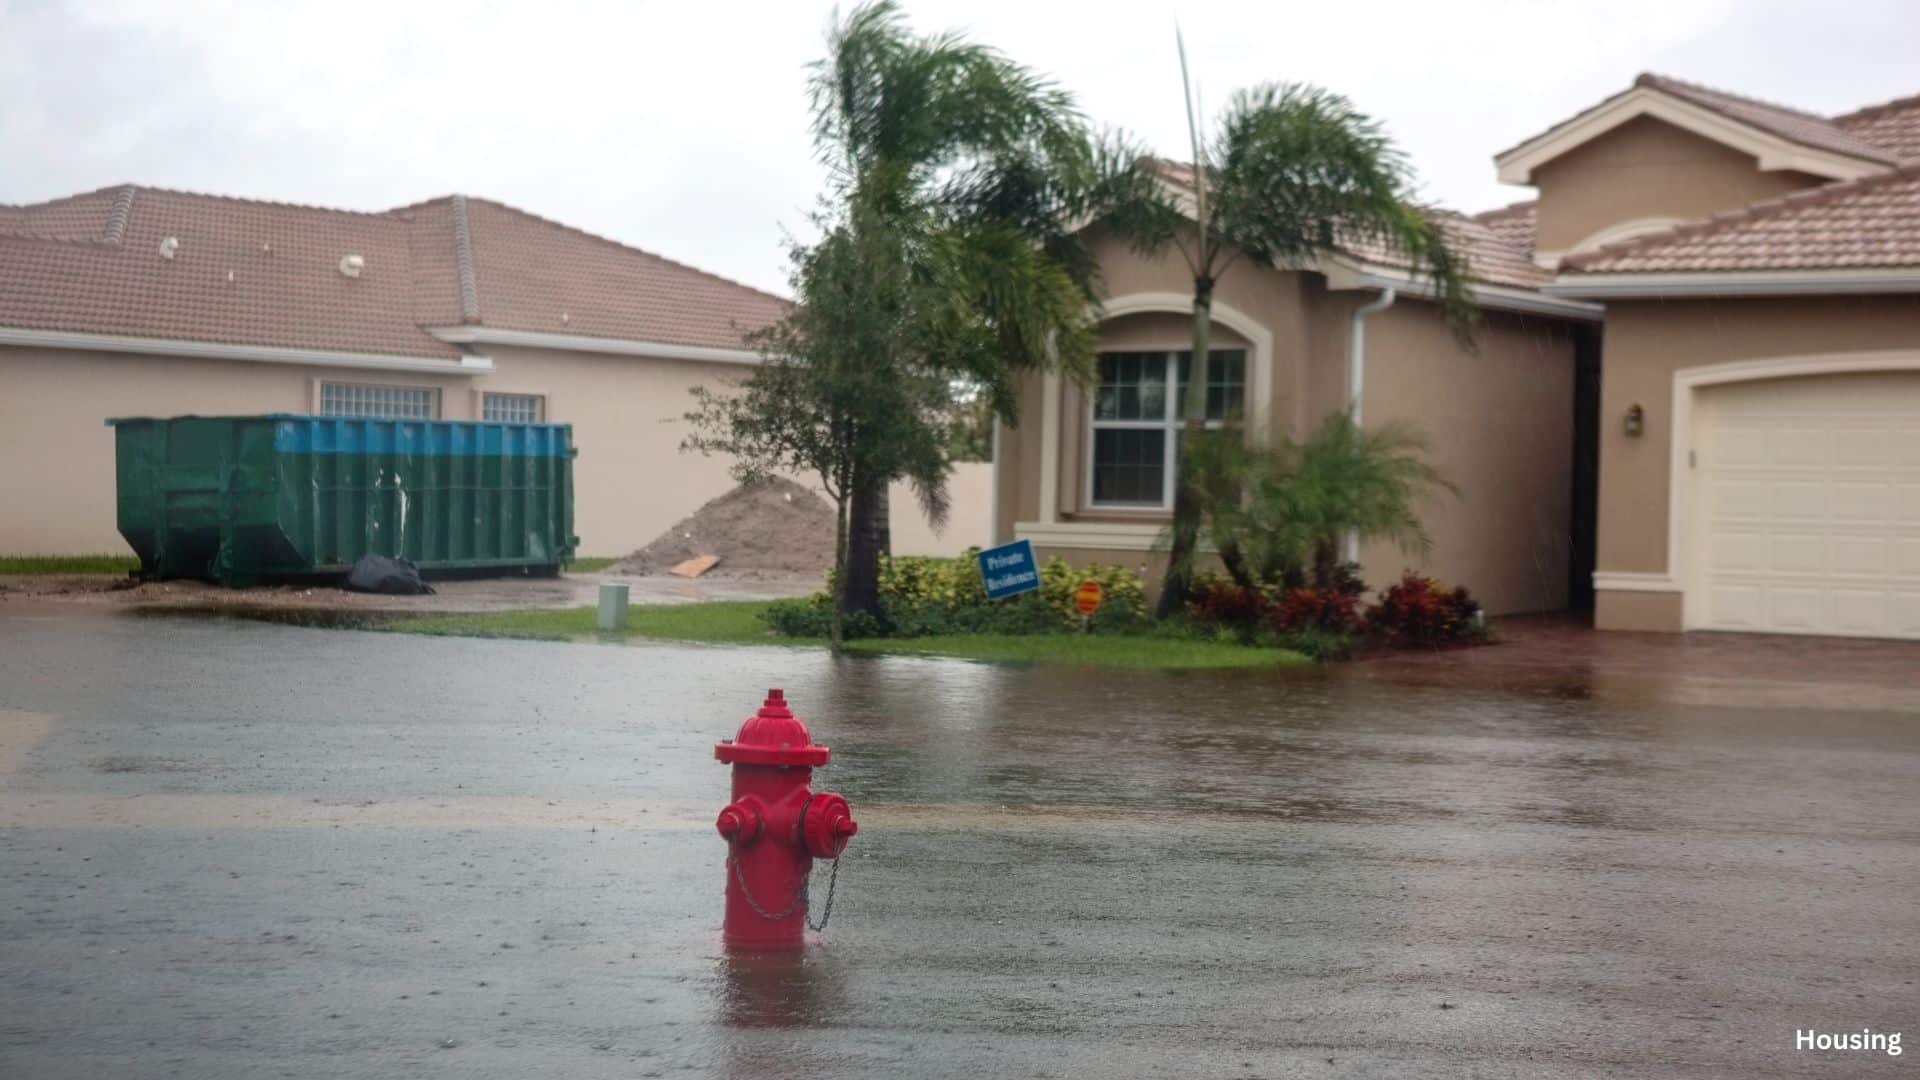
pixel 538 339
pixel 1774 153
pixel 1611 286
pixel 259 354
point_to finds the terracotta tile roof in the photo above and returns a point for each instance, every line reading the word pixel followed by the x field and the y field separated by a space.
pixel 248 272
pixel 1492 256
pixel 1861 224
pixel 1513 223
pixel 1894 126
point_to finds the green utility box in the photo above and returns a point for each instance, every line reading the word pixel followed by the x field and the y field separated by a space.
pixel 245 499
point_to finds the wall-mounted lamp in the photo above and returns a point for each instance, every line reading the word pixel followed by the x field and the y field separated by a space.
pixel 1636 421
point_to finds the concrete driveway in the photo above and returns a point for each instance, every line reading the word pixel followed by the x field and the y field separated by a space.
pixel 242 850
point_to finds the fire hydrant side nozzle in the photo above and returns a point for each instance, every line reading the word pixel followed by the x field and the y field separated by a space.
pixel 775 827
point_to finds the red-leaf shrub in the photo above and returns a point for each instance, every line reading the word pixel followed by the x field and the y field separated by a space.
pixel 1420 611
pixel 1308 608
pixel 1225 603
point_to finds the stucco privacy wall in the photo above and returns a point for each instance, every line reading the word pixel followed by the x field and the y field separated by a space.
pixel 630 480
pixel 1646 168
pixel 1646 343
pixel 969 515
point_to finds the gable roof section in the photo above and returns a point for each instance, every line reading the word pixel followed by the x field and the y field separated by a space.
pixel 1893 126
pixel 247 273
pixel 1778 136
pixel 1865 225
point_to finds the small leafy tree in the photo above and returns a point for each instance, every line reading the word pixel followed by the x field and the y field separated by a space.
pixel 815 405
pixel 1291 172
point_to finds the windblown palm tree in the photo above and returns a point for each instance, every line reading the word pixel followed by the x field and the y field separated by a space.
pixel 976 169
pixel 1292 172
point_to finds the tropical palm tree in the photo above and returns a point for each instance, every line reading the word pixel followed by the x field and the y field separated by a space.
pixel 1277 515
pixel 1291 172
pixel 977 169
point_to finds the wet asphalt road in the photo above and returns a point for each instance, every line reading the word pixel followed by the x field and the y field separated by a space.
pixel 240 850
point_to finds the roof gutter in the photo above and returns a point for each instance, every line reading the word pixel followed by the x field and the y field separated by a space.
pixel 540 339
pixel 259 354
pixel 1342 273
pixel 1606 286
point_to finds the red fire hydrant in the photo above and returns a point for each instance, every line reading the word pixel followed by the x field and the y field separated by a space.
pixel 775 827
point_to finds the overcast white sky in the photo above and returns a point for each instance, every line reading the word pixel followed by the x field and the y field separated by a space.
pixel 681 127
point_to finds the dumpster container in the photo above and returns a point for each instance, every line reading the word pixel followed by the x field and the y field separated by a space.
pixel 245 499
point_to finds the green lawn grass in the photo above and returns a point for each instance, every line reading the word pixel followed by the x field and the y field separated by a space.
pixel 68 564
pixel 592 565
pixel 737 622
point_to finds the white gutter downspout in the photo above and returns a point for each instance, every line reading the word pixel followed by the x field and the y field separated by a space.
pixel 1357 378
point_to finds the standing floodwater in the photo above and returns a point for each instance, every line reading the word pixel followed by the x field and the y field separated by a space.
pixel 234 849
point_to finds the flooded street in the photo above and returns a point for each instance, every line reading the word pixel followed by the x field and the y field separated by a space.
pixel 246 850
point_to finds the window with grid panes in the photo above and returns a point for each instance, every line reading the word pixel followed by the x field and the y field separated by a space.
pixel 379 402
pixel 1136 421
pixel 513 408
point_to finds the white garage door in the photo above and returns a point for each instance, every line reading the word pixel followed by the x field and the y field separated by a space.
pixel 1807 506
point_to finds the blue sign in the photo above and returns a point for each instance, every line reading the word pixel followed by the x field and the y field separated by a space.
pixel 1009 569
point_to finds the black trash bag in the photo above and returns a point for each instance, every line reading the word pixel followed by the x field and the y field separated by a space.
pixel 391 577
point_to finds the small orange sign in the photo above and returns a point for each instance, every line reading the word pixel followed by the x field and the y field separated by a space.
pixel 1088 596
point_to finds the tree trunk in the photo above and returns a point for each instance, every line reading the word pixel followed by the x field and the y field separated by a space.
pixel 1186 500
pixel 837 639
pixel 867 540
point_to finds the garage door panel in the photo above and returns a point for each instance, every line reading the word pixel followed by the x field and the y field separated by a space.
pixel 1798 446
pixel 1859 612
pixel 1903 614
pixel 1804 500
pixel 1907 561
pixel 1858 502
pixel 1906 504
pixel 1807 497
pixel 1858 556
pixel 1794 609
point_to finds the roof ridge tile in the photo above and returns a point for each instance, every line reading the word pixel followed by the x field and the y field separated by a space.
pixel 463 261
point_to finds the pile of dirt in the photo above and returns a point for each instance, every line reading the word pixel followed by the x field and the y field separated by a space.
pixel 774 526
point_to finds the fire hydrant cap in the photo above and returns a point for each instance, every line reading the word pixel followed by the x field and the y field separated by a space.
pixel 772 736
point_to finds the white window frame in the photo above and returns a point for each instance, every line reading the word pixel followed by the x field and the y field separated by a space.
pixel 1171 426
pixel 320 398
pixel 539 405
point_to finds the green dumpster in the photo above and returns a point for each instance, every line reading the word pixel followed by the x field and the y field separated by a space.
pixel 245 499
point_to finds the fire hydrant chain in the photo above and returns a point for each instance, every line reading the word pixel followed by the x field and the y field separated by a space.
pixel 826 909
pixel 799 898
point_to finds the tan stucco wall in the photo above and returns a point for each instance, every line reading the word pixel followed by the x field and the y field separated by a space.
pixel 630 480
pixel 1647 168
pixel 1498 424
pixel 1646 343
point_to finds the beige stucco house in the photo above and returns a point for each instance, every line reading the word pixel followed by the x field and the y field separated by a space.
pixel 135 301
pixel 1712 305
